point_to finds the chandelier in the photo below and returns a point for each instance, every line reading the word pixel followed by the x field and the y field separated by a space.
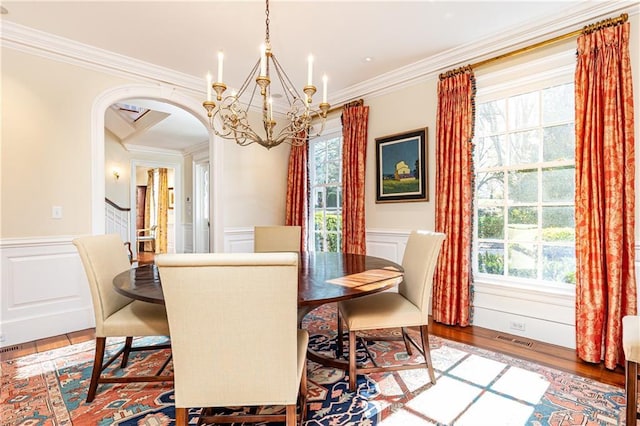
pixel 230 119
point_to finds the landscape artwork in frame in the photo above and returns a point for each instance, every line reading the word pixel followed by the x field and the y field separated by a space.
pixel 401 167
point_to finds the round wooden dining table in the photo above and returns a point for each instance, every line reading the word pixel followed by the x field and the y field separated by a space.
pixel 323 278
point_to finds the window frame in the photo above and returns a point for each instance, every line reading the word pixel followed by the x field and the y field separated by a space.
pixel 531 76
pixel 332 130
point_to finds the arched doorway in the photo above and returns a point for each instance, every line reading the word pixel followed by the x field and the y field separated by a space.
pixel 162 94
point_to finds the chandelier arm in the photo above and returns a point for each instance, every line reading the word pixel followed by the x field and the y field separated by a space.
pixel 230 118
pixel 285 80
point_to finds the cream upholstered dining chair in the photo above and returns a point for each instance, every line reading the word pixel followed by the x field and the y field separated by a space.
pixel 631 348
pixel 234 334
pixel 408 307
pixel 103 257
pixel 276 238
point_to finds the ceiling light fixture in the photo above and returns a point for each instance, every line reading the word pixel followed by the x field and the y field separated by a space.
pixel 230 119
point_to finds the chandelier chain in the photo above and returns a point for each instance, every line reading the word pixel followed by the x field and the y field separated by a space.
pixel 266 36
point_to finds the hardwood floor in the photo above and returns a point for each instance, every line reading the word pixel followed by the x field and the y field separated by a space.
pixel 543 353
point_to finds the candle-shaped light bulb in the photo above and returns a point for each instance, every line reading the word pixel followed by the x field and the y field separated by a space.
pixel 220 61
pixel 324 89
pixel 310 71
pixel 209 87
pixel 263 60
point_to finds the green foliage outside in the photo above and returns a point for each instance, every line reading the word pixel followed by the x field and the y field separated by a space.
pixel 490 263
pixel 334 228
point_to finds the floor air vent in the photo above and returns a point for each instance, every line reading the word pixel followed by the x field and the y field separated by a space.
pixel 10 349
pixel 515 341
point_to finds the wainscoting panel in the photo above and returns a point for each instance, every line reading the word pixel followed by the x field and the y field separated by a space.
pixel 387 244
pixel 238 240
pixel 44 290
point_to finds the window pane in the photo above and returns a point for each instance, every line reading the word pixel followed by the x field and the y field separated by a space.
pixel 334 163
pixel 318 221
pixel 523 223
pixel 489 152
pixel 491 223
pixel 523 260
pixel 523 186
pixel 558 224
pixel 490 188
pixel 559 264
pixel 558 143
pixel 320 161
pixel 490 118
pixel 524 111
pixel 557 104
pixel 558 185
pixel 491 258
pixel 332 242
pixel 524 147
pixel 319 198
pixel 332 197
pixel 318 243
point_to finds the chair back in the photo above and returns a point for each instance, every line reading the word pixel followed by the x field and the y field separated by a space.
pixel 103 257
pixel 233 325
pixel 276 239
pixel 419 263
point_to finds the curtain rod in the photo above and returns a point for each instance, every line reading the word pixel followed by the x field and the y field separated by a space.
pixel 585 30
pixel 357 102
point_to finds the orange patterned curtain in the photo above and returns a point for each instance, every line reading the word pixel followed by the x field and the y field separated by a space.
pixel 354 152
pixel 454 198
pixel 605 194
pixel 298 190
pixel 149 205
pixel 163 210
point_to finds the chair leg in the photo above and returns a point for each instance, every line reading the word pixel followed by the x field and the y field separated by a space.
pixel 407 344
pixel 339 341
pixel 127 350
pixel 97 368
pixel 182 416
pixel 291 415
pixel 303 394
pixel 424 331
pixel 352 361
pixel 631 385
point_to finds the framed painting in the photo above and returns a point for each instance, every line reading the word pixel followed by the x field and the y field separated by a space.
pixel 401 167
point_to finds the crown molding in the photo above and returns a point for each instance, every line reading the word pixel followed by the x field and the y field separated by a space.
pixel 431 67
pixel 50 46
pixel 57 48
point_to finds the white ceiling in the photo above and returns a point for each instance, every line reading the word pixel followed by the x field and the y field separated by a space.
pixel 185 36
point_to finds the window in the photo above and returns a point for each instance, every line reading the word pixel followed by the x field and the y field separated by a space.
pixel 524 226
pixel 325 204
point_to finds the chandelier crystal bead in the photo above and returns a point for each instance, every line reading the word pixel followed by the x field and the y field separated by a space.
pixel 229 118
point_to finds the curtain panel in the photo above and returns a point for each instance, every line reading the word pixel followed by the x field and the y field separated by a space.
pixel 297 207
pixel 355 120
pixel 454 198
pixel 163 211
pixel 148 206
pixel 605 194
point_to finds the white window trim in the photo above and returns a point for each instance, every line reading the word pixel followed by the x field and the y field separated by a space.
pixel 332 128
pixel 533 75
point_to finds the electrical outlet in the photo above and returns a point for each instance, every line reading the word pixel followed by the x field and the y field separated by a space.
pixel 515 325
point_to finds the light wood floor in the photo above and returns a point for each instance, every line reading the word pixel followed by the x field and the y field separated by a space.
pixel 543 353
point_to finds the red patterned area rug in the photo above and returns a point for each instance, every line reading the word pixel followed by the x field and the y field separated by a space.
pixel 474 387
